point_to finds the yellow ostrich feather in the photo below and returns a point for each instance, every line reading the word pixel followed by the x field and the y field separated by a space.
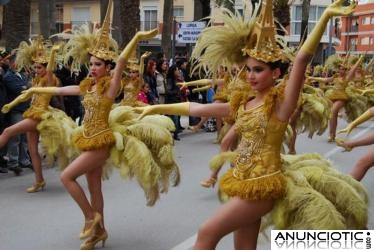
pixel 159 120
pixel 119 140
pixel 358 186
pixel 341 194
pixel 218 160
pixel 80 41
pixel 121 114
pixel 143 167
pixel 333 62
pixel 356 105
pixel 298 210
pixel 152 135
pixel 165 156
pixel 221 44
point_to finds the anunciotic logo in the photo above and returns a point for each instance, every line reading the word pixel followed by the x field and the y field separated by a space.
pixel 322 239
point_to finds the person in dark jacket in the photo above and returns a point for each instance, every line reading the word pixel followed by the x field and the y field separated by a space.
pixel 72 104
pixel 15 83
pixel 173 94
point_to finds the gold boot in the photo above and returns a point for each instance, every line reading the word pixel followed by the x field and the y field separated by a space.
pixel 93 240
pixel 36 186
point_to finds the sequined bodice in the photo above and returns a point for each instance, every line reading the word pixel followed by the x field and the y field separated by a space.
pixel 259 148
pixel 40 101
pixel 340 83
pixel 97 108
pixel 130 93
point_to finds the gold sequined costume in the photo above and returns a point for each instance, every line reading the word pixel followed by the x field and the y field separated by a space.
pixel 96 132
pixel 302 184
pixel 337 92
pixel 39 102
pixel 256 174
pixel 131 90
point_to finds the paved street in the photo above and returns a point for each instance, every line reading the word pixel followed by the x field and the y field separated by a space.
pixel 50 220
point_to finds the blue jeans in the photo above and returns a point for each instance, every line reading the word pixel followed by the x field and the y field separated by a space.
pixel 17 145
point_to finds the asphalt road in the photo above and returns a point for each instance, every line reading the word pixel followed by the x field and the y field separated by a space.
pixel 50 220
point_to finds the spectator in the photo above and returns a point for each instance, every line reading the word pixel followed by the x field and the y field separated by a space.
pixel 161 71
pixel 150 78
pixel 15 83
pixel 72 104
pixel 143 94
pixel 3 123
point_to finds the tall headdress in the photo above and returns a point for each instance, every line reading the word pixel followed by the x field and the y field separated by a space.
pixel 102 48
pixel 84 42
pixel 133 62
pixel 35 50
pixel 220 45
pixel 262 44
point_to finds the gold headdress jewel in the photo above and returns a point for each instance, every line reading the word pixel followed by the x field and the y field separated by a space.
pixel 40 54
pixel 102 48
pixel 261 44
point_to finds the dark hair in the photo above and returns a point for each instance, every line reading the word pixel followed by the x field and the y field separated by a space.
pixel 151 62
pixel 159 64
pixel 283 67
pixel 171 71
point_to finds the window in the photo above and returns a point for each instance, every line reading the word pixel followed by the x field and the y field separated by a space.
pixel 365 41
pixel 366 20
pixel 150 19
pixel 80 15
pixel 179 12
pixel 315 13
pixel 35 27
pixel 371 40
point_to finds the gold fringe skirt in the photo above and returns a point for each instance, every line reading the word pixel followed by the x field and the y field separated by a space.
pixel 336 94
pixel 272 186
pixel 105 139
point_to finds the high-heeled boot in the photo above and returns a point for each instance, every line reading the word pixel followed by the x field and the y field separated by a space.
pixel 36 187
pixel 93 240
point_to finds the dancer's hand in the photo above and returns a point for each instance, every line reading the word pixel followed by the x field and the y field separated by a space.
pixel 146 55
pixel 337 8
pixel 347 130
pixel 144 111
pixel 24 96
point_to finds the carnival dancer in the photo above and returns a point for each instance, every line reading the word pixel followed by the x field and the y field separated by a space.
pixel 34 54
pixel 102 135
pixel 367 161
pixel 257 181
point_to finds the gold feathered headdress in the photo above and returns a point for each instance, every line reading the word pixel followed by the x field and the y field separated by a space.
pixel 102 49
pixel 36 50
pixel 133 62
pixel 262 43
pixel 82 42
pixel 220 45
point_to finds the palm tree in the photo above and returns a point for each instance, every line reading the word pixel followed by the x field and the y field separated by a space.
pixel 130 20
pixel 167 26
pixel 201 9
pixel 304 20
pixel 47 19
pixel 16 22
pixel 282 14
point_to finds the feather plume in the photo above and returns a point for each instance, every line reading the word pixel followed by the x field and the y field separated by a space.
pixel 221 44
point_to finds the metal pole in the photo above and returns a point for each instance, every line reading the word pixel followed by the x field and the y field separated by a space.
pixel 173 42
pixel 329 51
